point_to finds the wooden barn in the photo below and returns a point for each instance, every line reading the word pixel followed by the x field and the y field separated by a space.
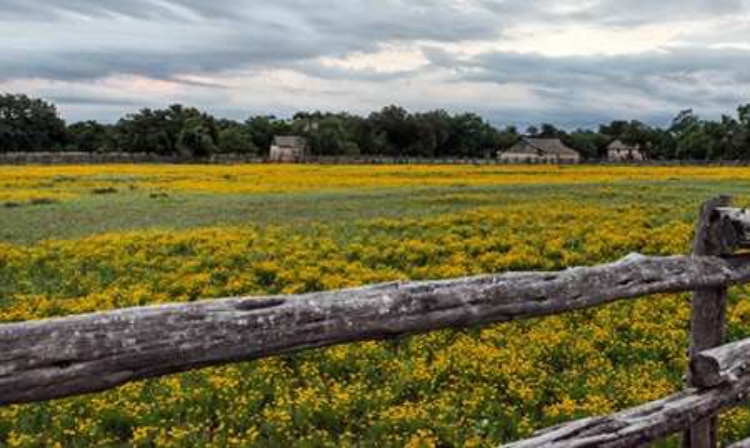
pixel 540 150
pixel 618 151
pixel 288 149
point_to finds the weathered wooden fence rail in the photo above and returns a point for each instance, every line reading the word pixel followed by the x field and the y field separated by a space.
pixel 60 357
pixel 55 358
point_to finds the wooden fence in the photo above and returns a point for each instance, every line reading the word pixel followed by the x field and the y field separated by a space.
pixel 49 359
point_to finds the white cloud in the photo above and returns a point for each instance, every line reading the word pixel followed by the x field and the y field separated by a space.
pixel 569 40
pixel 390 59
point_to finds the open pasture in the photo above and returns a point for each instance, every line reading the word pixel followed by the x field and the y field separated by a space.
pixel 86 238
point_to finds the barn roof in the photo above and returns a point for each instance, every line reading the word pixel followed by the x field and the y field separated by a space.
pixel 289 141
pixel 618 145
pixel 551 146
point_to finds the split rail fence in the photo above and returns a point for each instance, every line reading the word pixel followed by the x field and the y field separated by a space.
pixel 55 358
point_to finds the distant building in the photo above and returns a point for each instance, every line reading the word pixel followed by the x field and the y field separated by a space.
pixel 619 151
pixel 288 149
pixel 540 150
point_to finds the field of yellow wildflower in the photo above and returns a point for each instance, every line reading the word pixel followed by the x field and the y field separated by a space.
pixel 79 239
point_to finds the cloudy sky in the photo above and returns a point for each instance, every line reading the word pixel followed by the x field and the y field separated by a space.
pixel 571 62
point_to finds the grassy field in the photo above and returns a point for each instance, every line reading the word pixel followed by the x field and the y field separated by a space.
pixel 79 239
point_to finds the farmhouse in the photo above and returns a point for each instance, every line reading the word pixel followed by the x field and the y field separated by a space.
pixel 619 151
pixel 288 149
pixel 540 150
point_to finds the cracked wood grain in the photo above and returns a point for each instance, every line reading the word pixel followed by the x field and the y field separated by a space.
pixel 714 235
pixel 722 364
pixel 42 360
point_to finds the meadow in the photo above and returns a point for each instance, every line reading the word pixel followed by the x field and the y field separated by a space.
pixel 75 239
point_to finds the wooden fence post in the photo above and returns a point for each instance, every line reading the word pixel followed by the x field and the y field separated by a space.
pixel 707 324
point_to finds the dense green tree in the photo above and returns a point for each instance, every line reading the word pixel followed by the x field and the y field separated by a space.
pixel 235 139
pixel 471 136
pixel 198 136
pixel 637 134
pixel 741 136
pixel 615 129
pixel 334 138
pixel 90 136
pixel 28 124
pixel 720 136
pixel 393 127
pixel 171 131
pixel 550 131
pixel 144 131
pixel 698 139
pixel 591 145
pixel 663 145
pixel 329 134
pixel 432 132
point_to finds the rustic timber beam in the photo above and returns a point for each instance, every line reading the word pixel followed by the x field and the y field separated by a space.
pixel 715 235
pixel 42 360
pixel 733 229
pixel 741 444
pixel 721 364
pixel 644 424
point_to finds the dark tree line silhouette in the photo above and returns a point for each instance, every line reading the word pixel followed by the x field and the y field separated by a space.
pixel 29 125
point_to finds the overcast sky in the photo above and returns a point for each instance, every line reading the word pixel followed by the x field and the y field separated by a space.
pixel 575 63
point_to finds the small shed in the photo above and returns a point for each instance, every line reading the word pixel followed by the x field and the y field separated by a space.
pixel 288 149
pixel 618 151
pixel 540 150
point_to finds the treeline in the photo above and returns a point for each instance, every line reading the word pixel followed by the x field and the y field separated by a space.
pixel 28 125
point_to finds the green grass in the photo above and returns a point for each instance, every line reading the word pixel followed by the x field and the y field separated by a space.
pixel 96 213
pixel 55 273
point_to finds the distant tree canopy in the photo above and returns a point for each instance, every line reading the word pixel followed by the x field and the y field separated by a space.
pixel 90 136
pixel 28 124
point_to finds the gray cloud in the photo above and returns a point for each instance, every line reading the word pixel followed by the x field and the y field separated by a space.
pixel 191 36
pixel 615 12
pixel 710 79
pixel 504 66
pixel 648 11
pixel 82 100
pixel 80 41
pixel 39 10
